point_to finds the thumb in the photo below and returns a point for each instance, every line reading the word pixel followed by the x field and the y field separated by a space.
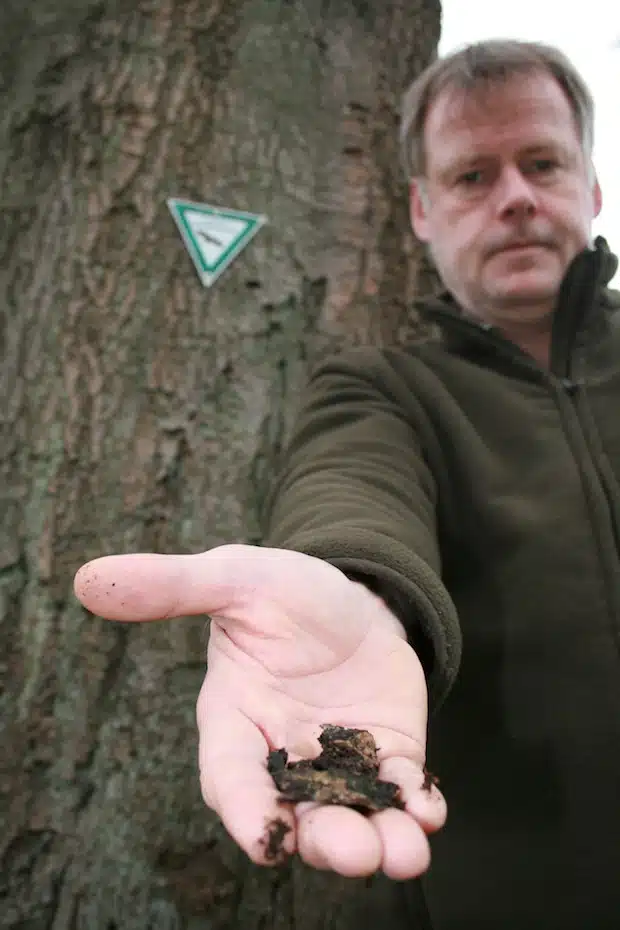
pixel 150 586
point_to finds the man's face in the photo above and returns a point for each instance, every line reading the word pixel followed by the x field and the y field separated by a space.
pixel 508 200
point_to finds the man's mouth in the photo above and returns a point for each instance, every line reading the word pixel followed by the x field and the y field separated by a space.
pixel 518 246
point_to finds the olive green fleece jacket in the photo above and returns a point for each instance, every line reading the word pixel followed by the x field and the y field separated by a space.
pixel 480 495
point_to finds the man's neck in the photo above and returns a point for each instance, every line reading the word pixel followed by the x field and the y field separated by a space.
pixel 530 327
pixel 535 340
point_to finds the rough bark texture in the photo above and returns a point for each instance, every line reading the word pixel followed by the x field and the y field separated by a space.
pixel 140 411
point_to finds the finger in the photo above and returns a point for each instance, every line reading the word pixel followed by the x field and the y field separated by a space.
pixel 309 852
pixel 406 851
pixel 149 586
pixel 232 753
pixel 422 799
pixel 340 839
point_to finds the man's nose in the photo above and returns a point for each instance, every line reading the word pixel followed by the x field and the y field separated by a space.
pixel 515 196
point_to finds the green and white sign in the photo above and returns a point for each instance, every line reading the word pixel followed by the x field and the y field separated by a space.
pixel 213 236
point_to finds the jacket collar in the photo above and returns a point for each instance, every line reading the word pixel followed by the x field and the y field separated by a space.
pixel 579 308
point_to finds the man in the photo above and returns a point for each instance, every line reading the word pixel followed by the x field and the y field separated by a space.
pixel 447 524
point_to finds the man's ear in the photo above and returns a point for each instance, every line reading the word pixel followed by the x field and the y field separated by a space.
pixel 417 209
pixel 597 196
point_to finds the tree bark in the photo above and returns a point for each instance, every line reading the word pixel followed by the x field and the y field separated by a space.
pixel 141 411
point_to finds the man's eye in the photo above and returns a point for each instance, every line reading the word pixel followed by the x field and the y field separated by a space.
pixel 470 178
pixel 544 165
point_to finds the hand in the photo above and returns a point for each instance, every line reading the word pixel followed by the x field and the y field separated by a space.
pixel 294 644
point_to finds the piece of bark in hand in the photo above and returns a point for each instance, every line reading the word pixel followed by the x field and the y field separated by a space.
pixel 345 773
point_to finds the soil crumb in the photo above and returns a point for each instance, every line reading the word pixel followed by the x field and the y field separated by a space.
pixel 430 780
pixel 277 830
pixel 345 773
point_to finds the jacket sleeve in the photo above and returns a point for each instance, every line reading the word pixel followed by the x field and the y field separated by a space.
pixel 355 490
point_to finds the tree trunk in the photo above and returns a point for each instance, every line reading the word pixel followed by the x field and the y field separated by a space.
pixel 141 411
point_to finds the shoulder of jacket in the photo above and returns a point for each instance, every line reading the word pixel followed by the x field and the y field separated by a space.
pixel 611 298
pixel 369 358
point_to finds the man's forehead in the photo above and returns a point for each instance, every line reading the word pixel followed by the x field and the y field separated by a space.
pixel 498 105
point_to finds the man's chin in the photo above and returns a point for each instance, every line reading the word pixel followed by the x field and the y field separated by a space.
pixel 524 289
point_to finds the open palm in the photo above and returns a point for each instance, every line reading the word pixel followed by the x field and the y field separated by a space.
pixel 294 645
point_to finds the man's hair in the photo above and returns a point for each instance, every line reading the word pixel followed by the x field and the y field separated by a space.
pixel 481 64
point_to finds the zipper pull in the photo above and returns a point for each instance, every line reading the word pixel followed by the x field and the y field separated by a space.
pixel 571 387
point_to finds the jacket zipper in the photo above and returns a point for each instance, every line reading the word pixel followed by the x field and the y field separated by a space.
pixel 570 397
pixel 581 434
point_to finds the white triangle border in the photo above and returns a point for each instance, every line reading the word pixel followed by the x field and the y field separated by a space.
pixel 208 278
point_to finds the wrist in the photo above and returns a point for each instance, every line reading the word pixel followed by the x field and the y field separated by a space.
pixel 385 617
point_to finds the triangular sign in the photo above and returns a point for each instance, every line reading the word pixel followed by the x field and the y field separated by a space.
pixel 213 236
